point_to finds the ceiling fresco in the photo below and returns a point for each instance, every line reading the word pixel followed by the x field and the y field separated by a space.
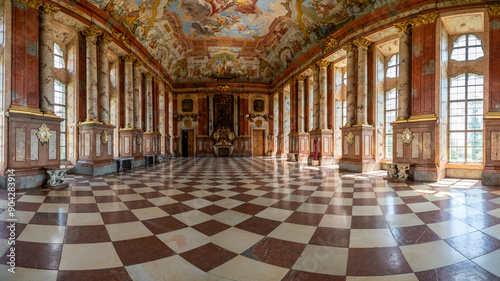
pixel 232 40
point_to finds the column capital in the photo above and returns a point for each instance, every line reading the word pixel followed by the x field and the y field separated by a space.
pixel 91 31
pixel 403 26
pixel 332 44
pixel 104 39
pixel 323 63
pixel 128 58
pixel 363 42
pixel 314 67
pixel 493 10
pixel 349 48
pixel 300 78
pixel 138 63
pixel 50 10
pixel 425 19
pixel 35 4
pixel 149 75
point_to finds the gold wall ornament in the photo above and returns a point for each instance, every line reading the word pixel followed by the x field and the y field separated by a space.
pixel 31 3
pixel 104 39
pixel 149 75
pixel 349 48
pixel 91 31
pixel 128 58
pixel 403 26
pixel 120 37
pixel 323 63
pixel 138 140
pixel 425 19
pixel 300 77
pixel 258 123
pixel 188 123
pixel 407 136
pixel 350 138
pixel 223 88
pixel 43 134
pixel 104 137
pixel 137 63
pixel 332 44
pixel 363 42
pixel 50 10
pixel 493 10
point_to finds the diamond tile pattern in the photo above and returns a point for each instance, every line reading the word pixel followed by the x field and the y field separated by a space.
pixel 253 219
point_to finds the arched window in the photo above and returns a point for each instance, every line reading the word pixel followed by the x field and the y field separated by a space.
pixel 466 118
pixel 58 57
pixel 391 113
pixel 393 67
pixel 60 110
pixel 466 48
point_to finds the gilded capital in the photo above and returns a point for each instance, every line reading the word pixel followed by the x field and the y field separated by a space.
pixel 323 63
pixel 403 26
pixel 128 58
pixel 50 10
pixel 300 78
pixel 425 19
pixel 104 39
pixel 331 44
pixel 314 67
pixel 363 42
pixel 31 3
pixel 493 10
pixel 349 48
pixel 149 75
pixel 91 31
pixel 137 62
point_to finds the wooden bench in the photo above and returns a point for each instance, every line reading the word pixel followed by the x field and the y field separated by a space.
pixel 119 162
pixel 57 175
pixel 398 170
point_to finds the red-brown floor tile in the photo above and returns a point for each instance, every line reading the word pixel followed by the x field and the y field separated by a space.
pixel 413 235
pixel 333 237
pixel 213 209
pixel 211 227
pixel 142 250
pixel 175 208
pixel 208 256
pixel 118 217
pixel 86 234
pixel 434 216
pixel 481 221
pixel 466 270
pixel 249 209
pixel 108 274
pixel 276 252
pixel 36 255
pixel 305 218
pixel 474 244
pixel 138 204
pixel 376 262
pixel 368 222
pixel 83 208
pixel 49 218
pixel 259 225
pixel 297 275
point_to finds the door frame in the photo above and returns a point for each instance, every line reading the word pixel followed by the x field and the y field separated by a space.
pixel 264 137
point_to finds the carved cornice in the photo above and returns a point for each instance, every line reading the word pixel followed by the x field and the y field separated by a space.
pixel 332 44
pixel 300 78
pixel 323 63
pixel 363 42
pixel 493 10
pixel 149 75
pixel 128 58
pixel 31 3
pixel 104 39
pixel 403 26
pixel 349 48
pixel 49 9
pixel 425 19
pixel 91 31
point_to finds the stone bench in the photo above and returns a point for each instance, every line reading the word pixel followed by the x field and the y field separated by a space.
pixel 119 162
pixel 57 176
pixel 398 170
pixel 150 159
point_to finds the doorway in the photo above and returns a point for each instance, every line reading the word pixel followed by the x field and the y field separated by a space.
pixel 258 142
pixel 188 143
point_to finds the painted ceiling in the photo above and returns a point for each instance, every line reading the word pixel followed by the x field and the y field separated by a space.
pixel 232 40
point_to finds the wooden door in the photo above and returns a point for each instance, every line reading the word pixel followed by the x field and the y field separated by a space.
pixel 191 143
pixel 258 142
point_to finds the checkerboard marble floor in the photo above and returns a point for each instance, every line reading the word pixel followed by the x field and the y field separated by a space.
pixel 254 219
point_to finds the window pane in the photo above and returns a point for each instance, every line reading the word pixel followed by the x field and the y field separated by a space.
pixel 457 139
pixel 475 108
pixel 475 139
pixel 458 54
pixel 475 53
pixel 474 122
pixel 474 154
pixel 461 42
pixel 457 108
pixel 473 40
pixel 457 154
pixel 457 123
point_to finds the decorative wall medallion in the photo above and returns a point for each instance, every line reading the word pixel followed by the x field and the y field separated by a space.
pixel 407 136
pixel 138 140
pixel 258 105
pixel 350 138
pixel 231 136
pixel 188 123
pixel 258 123
pixel 104 137
pixel 43 134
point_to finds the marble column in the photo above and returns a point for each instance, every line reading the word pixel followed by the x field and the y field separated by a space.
pixel 47 60
pixel 210 114
pixel 103 89
pixel 149 102
pixel 302 136
pixel 322 88
pixel 362 116
pixel 236 115
pixel 91 34
pixel 137 95
pixel 404 109
pixel 300 101
pixel 129 98
pixel 315 93
pixel 351 84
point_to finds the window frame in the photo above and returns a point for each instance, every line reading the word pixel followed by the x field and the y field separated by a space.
pixel 386 124
pixel 59 56
pixel 466 47
pixel 63 141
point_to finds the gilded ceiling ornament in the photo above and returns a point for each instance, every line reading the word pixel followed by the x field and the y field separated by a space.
pixel 349 48
pixel 407 136
pixel 120 37
pixel 403 26
pixel 128 58
pixel 50 10
pixel 363 42
pixel 31 3
pixel 104 39
pixel 104 137
pixel 91 31
pixel 223 88
pixel 43 134
pixel 149 75
pixel 350 138
pixel 493 10
pixel 323 63
pixel 300 77
pixel 425 19
pixel 331 44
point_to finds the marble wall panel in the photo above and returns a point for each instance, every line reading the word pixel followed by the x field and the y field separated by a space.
pixel 399 146
pixel 20 144
pixel 415 146
pixel 126 145
pixel 367 146
pixel 495 146
pixel 34 145
pixel 427 146
pixel 98 145
pixel 346 146
pixel 53 145
pixel 86 144
pixel 110 145
pixel 357 145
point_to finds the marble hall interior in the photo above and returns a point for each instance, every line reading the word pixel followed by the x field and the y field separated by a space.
pixel 249 140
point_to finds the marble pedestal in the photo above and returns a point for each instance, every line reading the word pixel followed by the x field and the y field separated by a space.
pixel 491 139
pixel 280 153
pixel 150 143
pixel 303 147
pixel 131 145
pixel 96 149
pixel 324 147
pixel 358 153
